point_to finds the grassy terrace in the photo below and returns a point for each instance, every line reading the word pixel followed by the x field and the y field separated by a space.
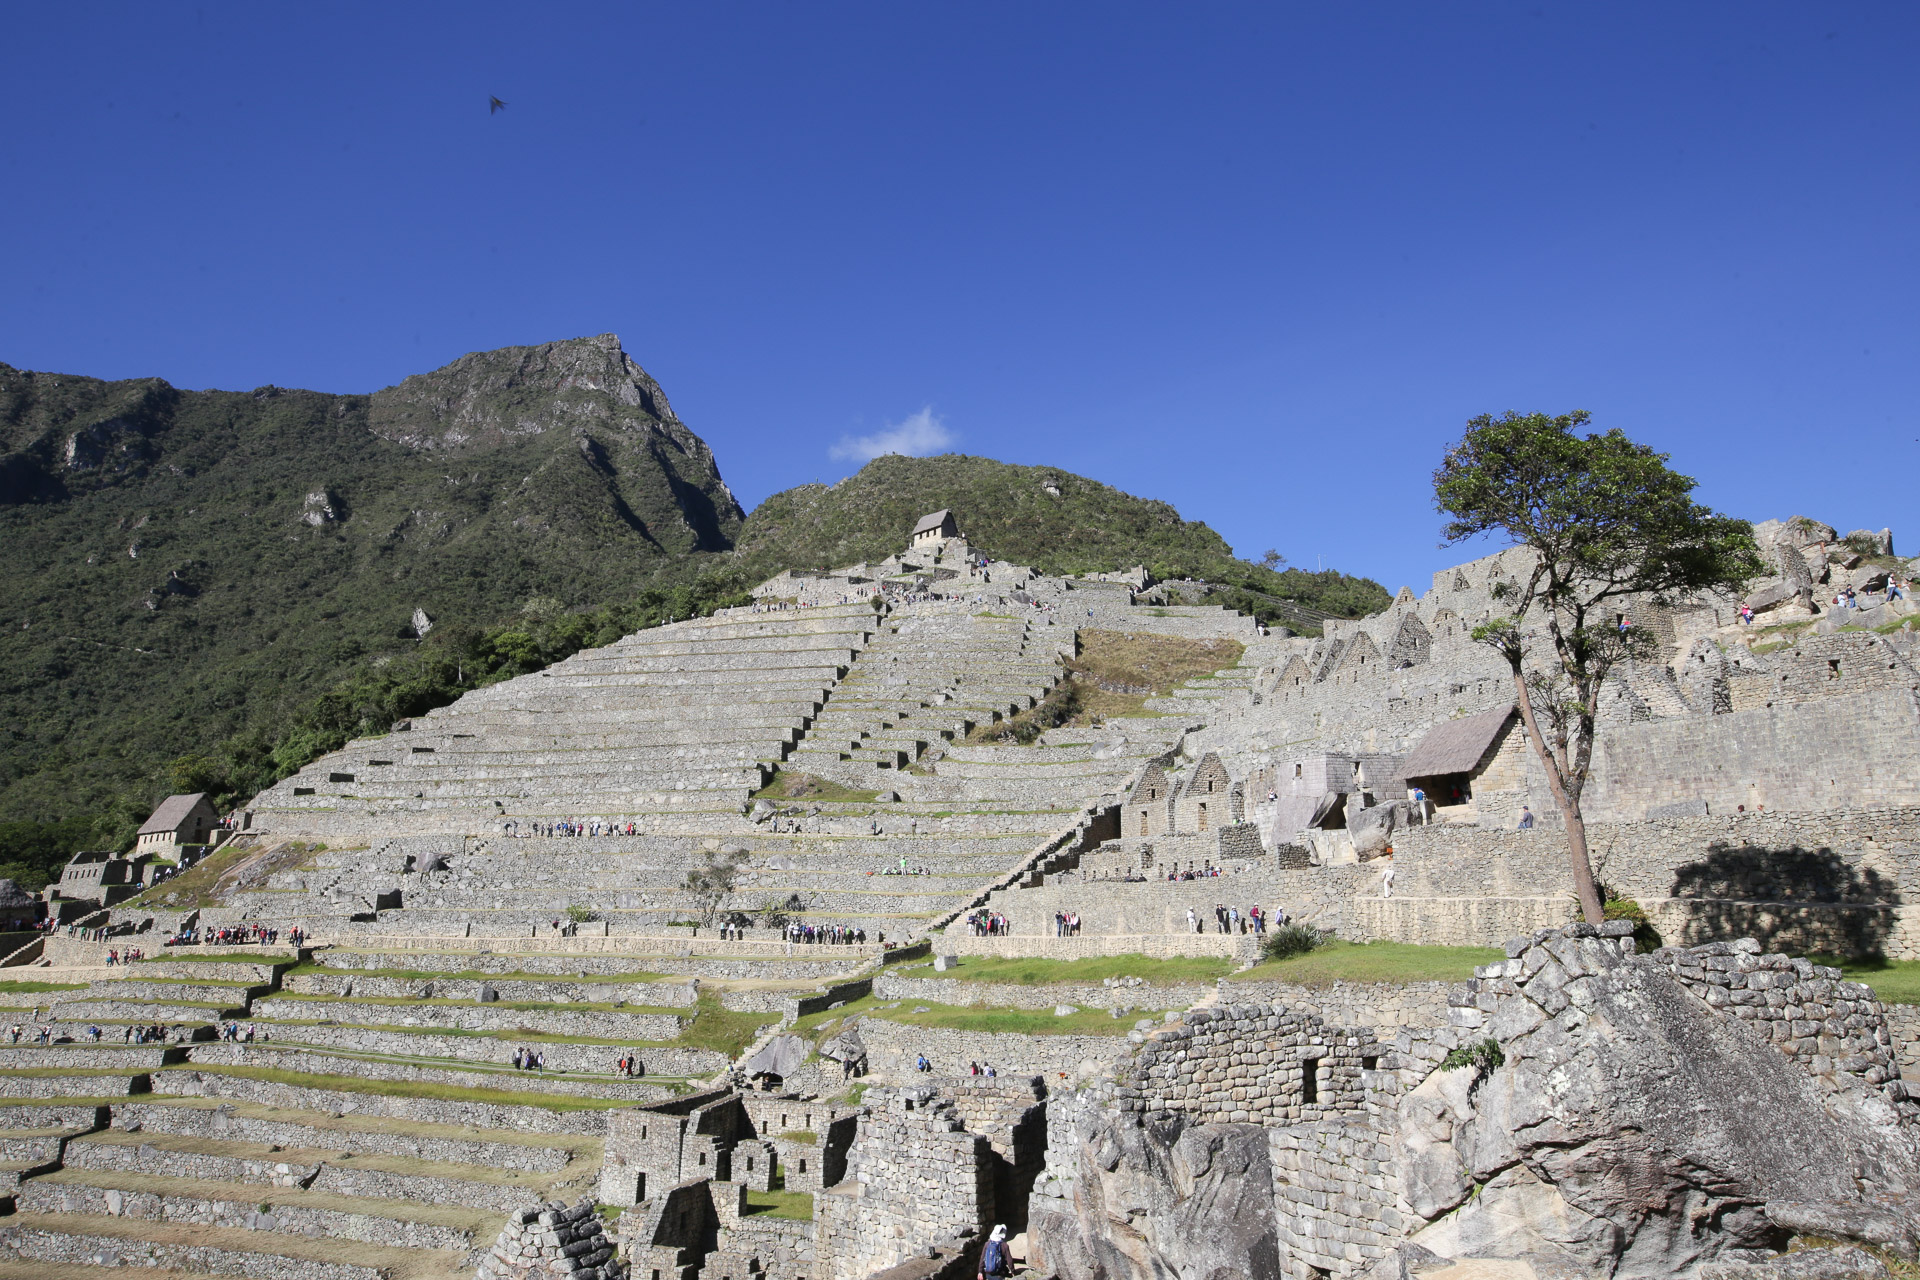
pixel 398 1088
pixel 29 988
pixel 442 1002
pixel 1034 972
pixel 797 1205
pixel 478 975
pixel 926 1013
pixel 1373 962
pixel 706 1026
pixel 1894 981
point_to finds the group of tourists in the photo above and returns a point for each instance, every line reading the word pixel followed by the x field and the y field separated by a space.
pixel 1192 873
pixel 1066 924
pixel 628 1065
pixel 240 1035
pixel 514 829
pixel 981 1069
pixel 525 1059
pixel 1227 919
pixel 988 924
pixel 237 935
pixel 833 935
pixel 131 954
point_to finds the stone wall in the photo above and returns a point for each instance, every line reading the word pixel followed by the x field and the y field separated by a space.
pixel 915 1177
pixel 1250 1064
pixel 1838 881
pixel 1012 995
pixel 893 1048
pixel 1844 752
pixel 1379 1005
pixel 1238 947
pixel 1903 1023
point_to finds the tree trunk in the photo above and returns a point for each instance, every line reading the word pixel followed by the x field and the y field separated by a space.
pixel 1569 807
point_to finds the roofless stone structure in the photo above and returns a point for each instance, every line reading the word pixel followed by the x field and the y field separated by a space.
pixel 455 979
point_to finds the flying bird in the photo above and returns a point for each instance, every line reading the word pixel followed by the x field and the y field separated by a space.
pixel 493 104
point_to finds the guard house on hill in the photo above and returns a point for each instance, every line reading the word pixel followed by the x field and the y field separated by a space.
pixel 1472 769
pixel 180 820
pixel 934 528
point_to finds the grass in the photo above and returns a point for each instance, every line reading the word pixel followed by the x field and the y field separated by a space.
pixel 804 1137
pixel 518 1006
pixel 475 975
pixel 1029 1022
pixel 804 786
pixel 217 957
pixel 400 1088
pixel 1374 962
pixel 797 1205
pixel 1894 981
pixel 26 988
pixel 194 887
pixel 1034 972
pixel 1112 667
pixel 722 1030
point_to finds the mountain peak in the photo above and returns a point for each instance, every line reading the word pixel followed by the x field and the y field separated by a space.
pixel 486 398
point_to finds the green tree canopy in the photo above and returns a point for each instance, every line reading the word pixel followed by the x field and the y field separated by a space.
pixel 1607 522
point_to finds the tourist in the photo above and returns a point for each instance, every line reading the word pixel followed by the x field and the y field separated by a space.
pixel 1193 921
pixel 994 1262
pixel 1386 874
pixel 1526 818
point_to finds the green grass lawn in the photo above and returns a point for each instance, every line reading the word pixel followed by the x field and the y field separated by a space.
pixel 1894 981
pixel 1032 1022
pixel 1374 962
pixel 797 1205
pixel 27 988
pixel 1034 972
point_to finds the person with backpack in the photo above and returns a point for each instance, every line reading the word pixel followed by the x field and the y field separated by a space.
pixel 994 1261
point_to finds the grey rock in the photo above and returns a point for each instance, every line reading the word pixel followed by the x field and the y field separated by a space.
pixel 1160 1199
pixel 1802 1264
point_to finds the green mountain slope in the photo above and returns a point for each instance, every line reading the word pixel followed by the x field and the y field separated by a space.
pixel 1052 519
pixel 178 566
pixel 202 590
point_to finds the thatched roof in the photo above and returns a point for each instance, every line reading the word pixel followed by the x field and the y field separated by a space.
pixel 1458 745
pixel 931 521
pixel 172 812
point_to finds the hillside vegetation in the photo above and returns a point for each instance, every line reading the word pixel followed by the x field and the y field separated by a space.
pixel 206 589
pixel 1051 519
pixel 184 567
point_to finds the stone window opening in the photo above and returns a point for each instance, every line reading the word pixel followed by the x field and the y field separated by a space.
pixel 749 1164
pixel 1309 1081
pixel 803 1166
pixel 1296 771
pixel 643 1131
pixel 703 1158
pixel 1833 668
pixel 1203 815
pixel 1369 1063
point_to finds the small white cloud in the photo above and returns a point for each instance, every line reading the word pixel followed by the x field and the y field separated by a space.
pixel 921 434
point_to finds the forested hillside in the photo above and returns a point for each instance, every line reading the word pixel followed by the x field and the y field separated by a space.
pixel 201 590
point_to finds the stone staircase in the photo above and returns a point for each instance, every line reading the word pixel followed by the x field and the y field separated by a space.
pixel 676 722
pixel 927 677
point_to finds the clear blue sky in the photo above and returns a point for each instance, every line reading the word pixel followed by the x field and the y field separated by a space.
pixel 1262 261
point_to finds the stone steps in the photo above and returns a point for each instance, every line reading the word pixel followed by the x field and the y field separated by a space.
pixel 483 1110
pixel 464 1052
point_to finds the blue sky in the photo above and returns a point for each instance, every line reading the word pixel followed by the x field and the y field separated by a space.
pixel 1261 261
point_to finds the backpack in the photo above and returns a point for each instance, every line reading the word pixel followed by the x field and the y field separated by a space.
pixel 993 1259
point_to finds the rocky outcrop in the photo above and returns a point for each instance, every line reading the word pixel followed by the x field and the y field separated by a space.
pixel 1590 1111
pixel 1156 1197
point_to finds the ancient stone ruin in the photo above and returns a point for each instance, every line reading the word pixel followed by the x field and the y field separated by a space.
pixel 516 987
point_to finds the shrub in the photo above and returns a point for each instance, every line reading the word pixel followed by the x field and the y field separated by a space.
pixel 1645 936
pixel 1482 1057
pixel 1291 940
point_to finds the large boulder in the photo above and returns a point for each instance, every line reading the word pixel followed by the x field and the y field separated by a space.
pixel 1372 829
pixel 1167 1198
pixel 1635 1127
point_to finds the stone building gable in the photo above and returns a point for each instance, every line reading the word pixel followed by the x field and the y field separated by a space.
pixel 1411 643
pixel 1359 660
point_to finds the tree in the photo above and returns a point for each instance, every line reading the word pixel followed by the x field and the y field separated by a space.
pixel 1608 523
pixel 1273 560
pixel 714 879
